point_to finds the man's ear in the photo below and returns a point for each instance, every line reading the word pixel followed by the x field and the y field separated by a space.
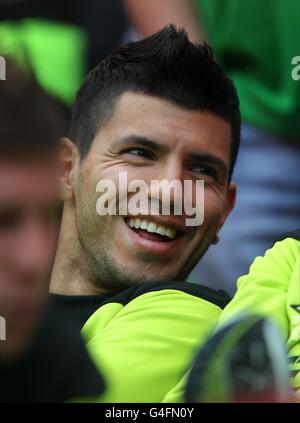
pixel 230 203
pixel 69 164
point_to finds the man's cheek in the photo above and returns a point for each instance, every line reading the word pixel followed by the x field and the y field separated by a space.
pixel 213 208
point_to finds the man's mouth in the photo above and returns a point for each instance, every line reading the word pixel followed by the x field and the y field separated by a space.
pixel 163 237
pixel 153 231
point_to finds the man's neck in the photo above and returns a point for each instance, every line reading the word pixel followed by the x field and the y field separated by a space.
pixel 67 276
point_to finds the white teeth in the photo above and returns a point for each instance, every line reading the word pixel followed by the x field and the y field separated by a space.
pixel 161 230
pixel 144 224
pixel 170 233
pixel 152 227
pixel 137 223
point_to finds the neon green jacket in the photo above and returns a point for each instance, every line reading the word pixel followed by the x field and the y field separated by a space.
pixel 270 289
pixel 144 338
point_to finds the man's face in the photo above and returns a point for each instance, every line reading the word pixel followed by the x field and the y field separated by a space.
pixel 28 193
pixel 152 139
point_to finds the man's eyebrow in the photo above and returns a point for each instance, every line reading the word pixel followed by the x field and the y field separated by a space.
pixel 208 158
pixel 142 141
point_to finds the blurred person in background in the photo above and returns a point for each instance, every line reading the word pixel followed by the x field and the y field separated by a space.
pixel 38 356
pixel 254 42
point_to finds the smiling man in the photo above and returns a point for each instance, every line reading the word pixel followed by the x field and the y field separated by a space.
pixel 159 109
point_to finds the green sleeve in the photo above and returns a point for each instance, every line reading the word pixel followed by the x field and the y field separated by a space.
pixel 176 394
pixel 268 285
pixel 145 347
pixel 272 289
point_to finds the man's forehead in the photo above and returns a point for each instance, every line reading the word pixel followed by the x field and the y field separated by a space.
pixel 160 119
pixel 141 104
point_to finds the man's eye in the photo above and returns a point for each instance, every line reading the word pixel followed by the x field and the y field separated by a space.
pixel 206 170
pixel 140 152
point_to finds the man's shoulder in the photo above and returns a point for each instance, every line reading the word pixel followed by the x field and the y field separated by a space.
pixel 147 335
pixel 217 297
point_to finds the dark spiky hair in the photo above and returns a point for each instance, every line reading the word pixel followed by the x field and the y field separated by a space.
pixel 165 65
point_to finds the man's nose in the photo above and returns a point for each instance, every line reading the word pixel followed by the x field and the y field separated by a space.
pixel 171 173
pixel 173 170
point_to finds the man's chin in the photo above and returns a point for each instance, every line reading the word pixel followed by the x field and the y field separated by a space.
pixel 141 277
